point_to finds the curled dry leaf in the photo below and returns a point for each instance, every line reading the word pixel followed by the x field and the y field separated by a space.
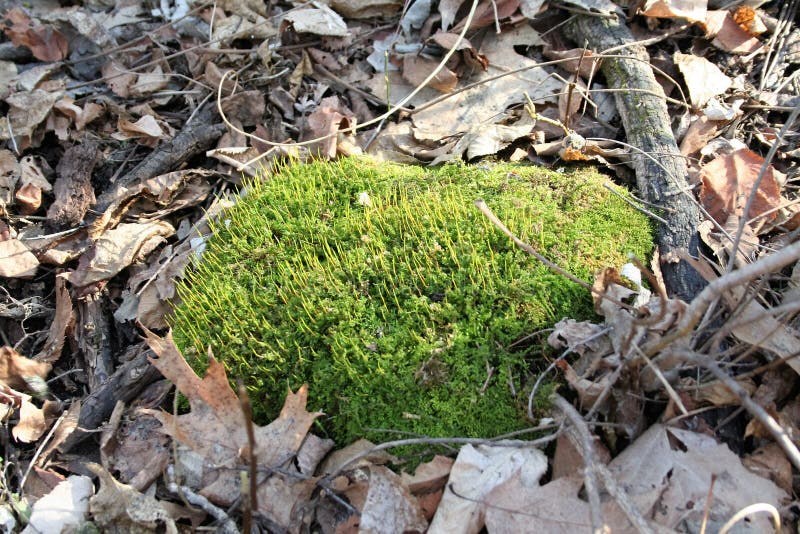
pixel 690 10
pixel 34 421
pixel 120 508
pixel 116 249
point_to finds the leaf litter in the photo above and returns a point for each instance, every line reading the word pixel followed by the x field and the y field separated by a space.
pixel 113 142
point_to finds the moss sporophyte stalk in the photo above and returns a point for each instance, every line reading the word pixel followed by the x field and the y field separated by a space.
pixel 390 294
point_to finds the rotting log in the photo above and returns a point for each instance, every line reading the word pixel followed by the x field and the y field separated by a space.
pixel 661 172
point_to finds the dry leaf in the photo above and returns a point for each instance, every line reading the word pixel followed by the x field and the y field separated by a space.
pixel 27 110
pixel 44 42
pixel 366 9
pixel 17 371
pixel 34 421
pixel 215 430
pixel 118 507
pixel 64 508
pixel 389 505
pixel 417 68
pixel 728 35
pixel 486 104
pixel 62 319
pixel 704 79
pixel 728 181
pixel 476 472
pixel 16 260
pixel 691 10
pixel 116 249
pixel 321 20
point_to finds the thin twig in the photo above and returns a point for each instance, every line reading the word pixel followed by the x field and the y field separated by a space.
pixel 755 409
pixel 590 461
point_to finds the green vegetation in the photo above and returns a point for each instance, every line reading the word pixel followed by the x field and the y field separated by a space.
pixel 385 289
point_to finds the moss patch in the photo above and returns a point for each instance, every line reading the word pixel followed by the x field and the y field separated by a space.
pixel 385 289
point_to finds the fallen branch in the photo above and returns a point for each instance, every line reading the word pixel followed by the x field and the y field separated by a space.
pixel 661 171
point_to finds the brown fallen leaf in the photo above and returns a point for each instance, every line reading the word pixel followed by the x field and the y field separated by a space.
pixel 116 249
pixel 45 42
pixel 728 180
pixel 34 421
pixel 120 508
pixel 62 320
pixel 16 371
pixel 727 34
pixel 215 430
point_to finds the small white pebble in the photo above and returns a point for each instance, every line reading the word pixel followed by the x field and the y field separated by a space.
pixel 364 200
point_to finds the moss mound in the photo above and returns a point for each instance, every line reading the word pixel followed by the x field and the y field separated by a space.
pixel 385 289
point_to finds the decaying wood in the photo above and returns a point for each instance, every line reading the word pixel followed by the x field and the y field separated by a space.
pixel 73 190
pixel 196 137
pixel 124 385
pixel 661 171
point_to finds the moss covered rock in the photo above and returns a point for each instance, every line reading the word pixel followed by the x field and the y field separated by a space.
pixel 385 289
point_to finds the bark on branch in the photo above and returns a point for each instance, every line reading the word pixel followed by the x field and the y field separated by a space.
pixel 661 172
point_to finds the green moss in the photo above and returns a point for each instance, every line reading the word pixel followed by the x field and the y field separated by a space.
pixel 391 309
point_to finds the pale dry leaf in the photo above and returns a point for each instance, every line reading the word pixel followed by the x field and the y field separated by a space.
pixel 691 10
pixel 146 129
pixel 34 421
pixel 16 260
pixel 700 132
pixel 27 110
pixel 476 472
pixel 214 430
pixel 149 82
pixel 486 103
pixel 116 249
pixel 10 171
pixel 429 476
pixel 703 79
pixel 531 8
pixel 118 78
pixel 321 20
pixel 29 199
pixel 64 508
pixel 120 508
pixel 81 116
pixel 345 457
pixel 579 337
pixel 663 470
pixel 389 505
pixel 448 10
pixel 366 9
